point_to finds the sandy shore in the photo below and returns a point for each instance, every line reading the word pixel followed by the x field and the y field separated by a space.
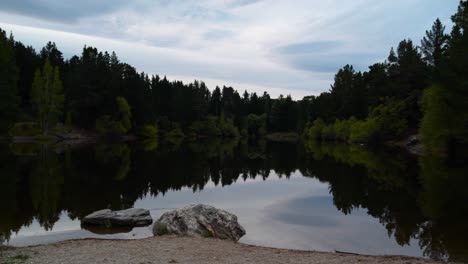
pixel 172 249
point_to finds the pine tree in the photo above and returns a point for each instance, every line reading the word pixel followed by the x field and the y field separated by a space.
pixel 434 45
pixel 9 99
pixel 52 53
pixel 47 96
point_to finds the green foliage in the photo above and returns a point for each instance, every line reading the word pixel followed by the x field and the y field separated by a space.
pixel 175 136
pixel 434 45
pixel 17 259
pixel 213 126
pixel 214 147
pixel 150 131
pixel 342 128
pixel 47 96
pixel 160 229
pixel 390 118
pixel 443 124
pixel 205 128
pixel 46 183
pixel 315 131
pixel 364 131
pixel 328 133
pixel 125 114
pixel 150 144
pixel 384 122
pixel 118 125
pixel 386 98
pixel 25 129
pixel 227 128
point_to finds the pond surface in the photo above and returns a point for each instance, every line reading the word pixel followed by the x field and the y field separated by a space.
pixel 312 196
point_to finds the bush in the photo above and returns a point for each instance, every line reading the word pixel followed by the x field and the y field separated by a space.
pixel 443 127
pixel 391 119
pixel 342 128
pixel 213 126
pixel 25 129
pixel 328 133
pixel 256 125
pixel 315 131
pixel 385 121
pixel 227 127
pixel 364 131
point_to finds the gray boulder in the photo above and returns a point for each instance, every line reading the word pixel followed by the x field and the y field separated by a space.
pixel 129 217
pixel 199 220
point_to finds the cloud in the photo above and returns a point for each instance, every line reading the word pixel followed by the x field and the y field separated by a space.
pixel 60 10
pixel 323 56
pixel 186 65
pixel 217 34
pixel 288 47
pixel 311 47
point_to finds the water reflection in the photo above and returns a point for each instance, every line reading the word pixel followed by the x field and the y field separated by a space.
pixel 414 199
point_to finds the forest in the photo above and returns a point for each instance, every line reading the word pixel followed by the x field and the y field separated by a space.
pixel 418 89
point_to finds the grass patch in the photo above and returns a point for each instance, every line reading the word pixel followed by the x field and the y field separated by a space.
pixel 160 229
pixel 16 259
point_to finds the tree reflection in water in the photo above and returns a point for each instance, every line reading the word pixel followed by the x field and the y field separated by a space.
pixel 421 199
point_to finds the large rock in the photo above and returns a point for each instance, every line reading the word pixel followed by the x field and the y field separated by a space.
pixel 129 217
pixel 199 220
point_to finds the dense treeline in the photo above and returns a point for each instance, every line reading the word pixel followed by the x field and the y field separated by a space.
pixel 418 87
pixel 102 93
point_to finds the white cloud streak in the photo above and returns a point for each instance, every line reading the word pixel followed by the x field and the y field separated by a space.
pixel 237 42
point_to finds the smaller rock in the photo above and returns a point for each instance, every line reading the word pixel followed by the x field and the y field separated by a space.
pixel 199 220
pixel 129 217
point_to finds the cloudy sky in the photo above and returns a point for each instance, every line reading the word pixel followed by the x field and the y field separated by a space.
pixel 281 46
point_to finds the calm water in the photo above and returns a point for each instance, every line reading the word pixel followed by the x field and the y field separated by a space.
pixel 313 197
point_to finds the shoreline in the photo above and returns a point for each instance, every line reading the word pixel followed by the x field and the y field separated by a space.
pixel 173 249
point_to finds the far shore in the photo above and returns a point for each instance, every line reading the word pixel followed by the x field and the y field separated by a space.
pixel 172 249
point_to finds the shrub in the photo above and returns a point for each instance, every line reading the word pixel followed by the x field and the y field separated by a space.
pixel 443 125
pixel 364 131
pixel 227 128
pixel 328 133
pixel 315 131
pixel 342 128
pixel 391 119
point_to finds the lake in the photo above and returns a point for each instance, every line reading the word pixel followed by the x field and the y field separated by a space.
pixel 310 196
